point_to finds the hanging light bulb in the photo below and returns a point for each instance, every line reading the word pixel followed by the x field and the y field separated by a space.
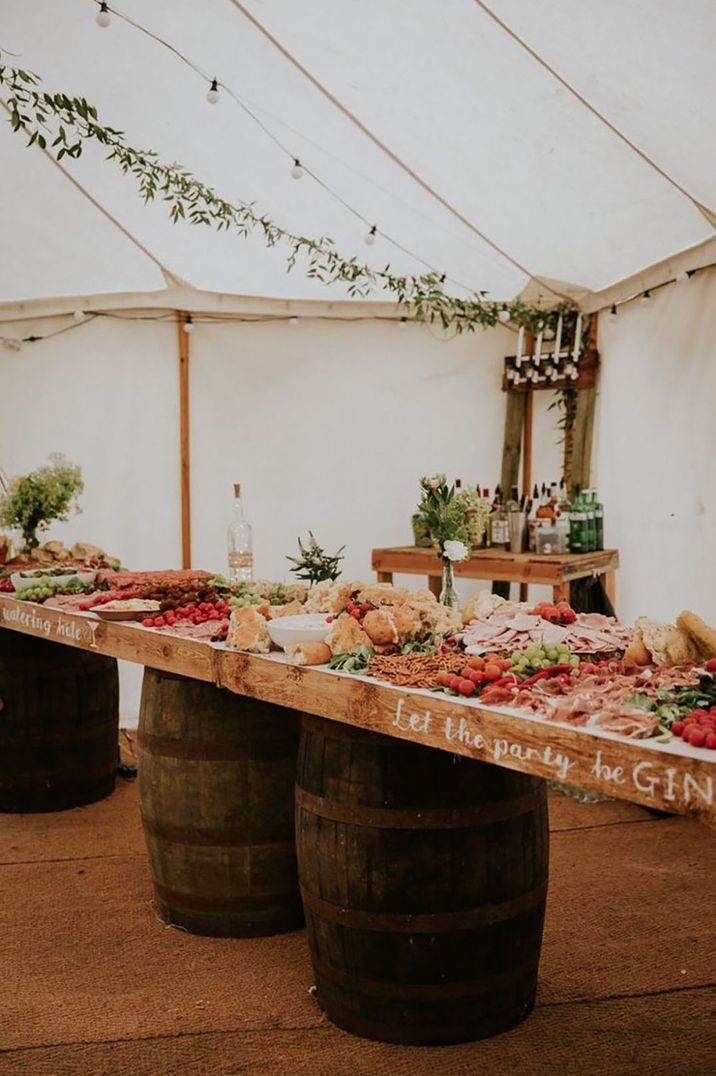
pixel 503 314
pixel 443 278
pixel 646 298
pixel 293 321
pixel 371 236
pixel 212 95
pixel 104 18
pixel 403 323
pixel 11 345
pixel 189 325
pixel 682 277
pixel 78 315
pixel 613 312
pixel 297 170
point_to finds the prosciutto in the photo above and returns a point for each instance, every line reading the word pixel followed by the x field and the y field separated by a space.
pixel 591 633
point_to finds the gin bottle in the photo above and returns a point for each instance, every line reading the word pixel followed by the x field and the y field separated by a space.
pixel 241 556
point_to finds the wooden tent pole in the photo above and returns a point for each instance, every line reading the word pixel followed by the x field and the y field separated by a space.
pixel 185 461
pixel 527 443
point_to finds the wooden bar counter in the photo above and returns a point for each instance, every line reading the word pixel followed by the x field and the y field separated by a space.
pixel 672 777
pixel 557 570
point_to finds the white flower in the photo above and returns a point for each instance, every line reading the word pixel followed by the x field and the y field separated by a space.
pixel 434 482
pixel 454 550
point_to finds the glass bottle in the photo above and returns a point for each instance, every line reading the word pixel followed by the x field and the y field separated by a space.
pixel 599 521
pixel 590 530
pixel 577 524
pixel 241 556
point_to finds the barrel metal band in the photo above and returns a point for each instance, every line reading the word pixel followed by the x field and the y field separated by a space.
pixel 442 991
pixel 434 923
pixel 208 751
pixel 471 817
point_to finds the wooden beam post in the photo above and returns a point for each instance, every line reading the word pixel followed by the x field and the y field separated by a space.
pixel 184 457
pixel 527 443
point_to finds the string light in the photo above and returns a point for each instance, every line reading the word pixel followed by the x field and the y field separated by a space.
pixel 213 95
pixel 443 278
pixel 297 170
pixel 11 344
pixel 104 18
pixel 189 325
pixel 613 312
pixel 403 323
pixel 645 299
pixel 371 236
pixel 78 315
pixel 504 314
pixel 293 321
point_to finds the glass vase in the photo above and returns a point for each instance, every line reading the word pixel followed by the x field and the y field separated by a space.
pixel 448 594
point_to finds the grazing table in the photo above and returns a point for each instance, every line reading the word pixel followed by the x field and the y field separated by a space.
pixel 558 570
pixel 421 824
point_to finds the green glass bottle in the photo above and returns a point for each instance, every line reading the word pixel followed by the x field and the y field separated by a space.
pixel 577 524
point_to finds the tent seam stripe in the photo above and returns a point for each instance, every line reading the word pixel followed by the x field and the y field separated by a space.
pixel 344 110
pixel 703 210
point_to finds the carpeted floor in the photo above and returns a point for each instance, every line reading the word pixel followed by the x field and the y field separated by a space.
pixel 92 983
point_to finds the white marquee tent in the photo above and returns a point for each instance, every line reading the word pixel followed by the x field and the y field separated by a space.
pixel 536 149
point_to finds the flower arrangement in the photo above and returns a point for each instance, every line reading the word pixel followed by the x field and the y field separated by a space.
pixel 31 502
pixel 314 565
pixel 445 517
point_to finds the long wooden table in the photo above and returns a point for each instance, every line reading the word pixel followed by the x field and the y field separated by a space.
pixel 673 777
pixel 558 570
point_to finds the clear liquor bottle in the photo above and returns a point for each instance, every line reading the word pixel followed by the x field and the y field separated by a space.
pixel 241 554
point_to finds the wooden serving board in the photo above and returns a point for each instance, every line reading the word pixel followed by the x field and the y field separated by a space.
pixel 672 777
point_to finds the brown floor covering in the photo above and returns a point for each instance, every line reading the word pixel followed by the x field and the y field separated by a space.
pixel 92 983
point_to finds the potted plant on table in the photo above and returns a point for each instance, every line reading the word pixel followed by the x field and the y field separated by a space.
pixel 31 502
pixel 445 516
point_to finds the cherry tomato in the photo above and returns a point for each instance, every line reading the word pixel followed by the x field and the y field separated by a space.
pixel 697 737
pixel 476 662
pixel 466 687
pixel 710 741
pixel 492 671
pixel 677 728
pixel 711 665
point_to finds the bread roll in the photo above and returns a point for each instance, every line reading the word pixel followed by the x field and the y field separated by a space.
pixel 248 631
pixel 346 635
pixel 308 654
pixel 702 636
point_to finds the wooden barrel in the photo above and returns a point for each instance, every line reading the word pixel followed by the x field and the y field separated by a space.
pixel 216 786
pixel 59 725
pixel 423 877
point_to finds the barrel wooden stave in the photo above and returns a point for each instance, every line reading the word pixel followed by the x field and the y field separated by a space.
pixel 216 780
pixel 424 920
pixel 59 725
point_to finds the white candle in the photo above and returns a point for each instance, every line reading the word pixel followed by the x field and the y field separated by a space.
pixel 520 343
pixel 558 339
pixel 577 338
pixel 538 348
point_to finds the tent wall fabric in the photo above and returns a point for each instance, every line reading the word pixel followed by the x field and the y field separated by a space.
pixel 499 175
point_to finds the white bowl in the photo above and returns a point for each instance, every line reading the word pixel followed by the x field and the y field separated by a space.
pixel 303 628
pixel 21 582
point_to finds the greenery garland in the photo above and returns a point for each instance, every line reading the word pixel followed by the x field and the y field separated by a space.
pixel 62 124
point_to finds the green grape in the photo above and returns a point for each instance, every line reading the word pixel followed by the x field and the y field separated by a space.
pixel 552 653
pixel 574 661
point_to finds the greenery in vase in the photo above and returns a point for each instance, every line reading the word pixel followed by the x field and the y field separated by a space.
pixel 444 511
pixel 314 565
pixel 30 503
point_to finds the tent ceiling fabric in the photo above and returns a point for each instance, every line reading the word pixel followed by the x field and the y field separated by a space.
pixel 457 100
